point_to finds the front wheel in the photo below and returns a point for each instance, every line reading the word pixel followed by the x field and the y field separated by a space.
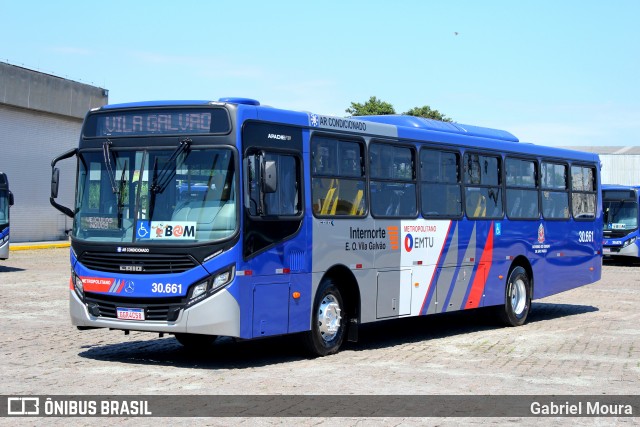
pixel 517 298
pixel 328 323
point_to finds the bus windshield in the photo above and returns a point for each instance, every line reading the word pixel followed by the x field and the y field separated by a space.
pixel 182 196
pixel 620 215
pixel 4 207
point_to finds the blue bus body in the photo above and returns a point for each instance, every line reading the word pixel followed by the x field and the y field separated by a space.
pixel 6 200
pixel 621 215
pixel 325 223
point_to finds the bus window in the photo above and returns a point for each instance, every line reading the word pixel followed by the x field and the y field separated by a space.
pixel 522 191
pixel 338 182
pixel 440 189
pixel 583 192
pixel 555 197
pixel 393 187
pixel 483 197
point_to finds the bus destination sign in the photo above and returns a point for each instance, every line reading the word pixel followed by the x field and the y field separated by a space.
pixel 158 122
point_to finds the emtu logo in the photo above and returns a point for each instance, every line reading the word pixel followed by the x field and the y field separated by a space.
pixel 394 237
pixel 408 242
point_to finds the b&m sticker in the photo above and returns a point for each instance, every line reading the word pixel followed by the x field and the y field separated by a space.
pixel 166 230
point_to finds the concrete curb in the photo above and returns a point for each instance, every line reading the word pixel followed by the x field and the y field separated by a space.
pixel 44 245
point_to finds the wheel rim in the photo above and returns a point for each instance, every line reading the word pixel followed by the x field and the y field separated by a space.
pixel 329 318
pixel 518 296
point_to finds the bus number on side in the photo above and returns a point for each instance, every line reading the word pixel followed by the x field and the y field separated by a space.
pixel 585 236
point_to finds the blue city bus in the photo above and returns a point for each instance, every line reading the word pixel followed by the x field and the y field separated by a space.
pixel 229 218
pixel 620 211
pixel 6 200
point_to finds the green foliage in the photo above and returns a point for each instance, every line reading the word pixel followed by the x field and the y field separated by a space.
pixel 428 113
pixel 373 107
pixel 377 107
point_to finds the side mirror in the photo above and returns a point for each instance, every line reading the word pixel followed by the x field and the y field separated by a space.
pixel 55 182
pixel 270 177
pixel 11 201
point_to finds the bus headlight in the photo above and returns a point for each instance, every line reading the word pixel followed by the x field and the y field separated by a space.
pixel 628 242
pixel 199 289
pixel 221 280
pixel 211 285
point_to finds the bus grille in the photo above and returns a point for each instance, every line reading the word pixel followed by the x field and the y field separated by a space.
pixel 159 310
pixel 138 263
pixel 616 234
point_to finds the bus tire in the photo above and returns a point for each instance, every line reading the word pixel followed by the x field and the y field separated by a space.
pixel 328 321
pixel 196 341
pixel 517 298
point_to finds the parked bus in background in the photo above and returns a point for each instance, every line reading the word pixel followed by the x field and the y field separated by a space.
pixel 6 200
pixel 620 210
pixel 209 218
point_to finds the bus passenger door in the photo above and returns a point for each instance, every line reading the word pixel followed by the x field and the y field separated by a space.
pixel 274 239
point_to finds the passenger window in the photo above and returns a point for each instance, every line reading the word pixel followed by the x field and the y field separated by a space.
pixel 440 189
pixel 522 192
pixel 554 195
pixel 393 181
pixel 583 192
pixel 483 194
pixel 338 181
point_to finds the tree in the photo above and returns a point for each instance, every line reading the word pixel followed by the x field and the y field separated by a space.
pixel 428 113
pixel 373 107
pixel 377 107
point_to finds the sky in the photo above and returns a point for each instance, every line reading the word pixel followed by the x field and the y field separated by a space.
pixel 552 72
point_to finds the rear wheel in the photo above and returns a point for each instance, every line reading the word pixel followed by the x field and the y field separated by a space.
pixel 328 323
pixel 195 341
pixel 517 298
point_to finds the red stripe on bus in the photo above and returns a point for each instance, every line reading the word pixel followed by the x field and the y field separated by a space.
pixel 480 280
pixel 96 284
pixel 120 287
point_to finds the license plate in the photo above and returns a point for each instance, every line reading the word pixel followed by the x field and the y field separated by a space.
pixel 606 250
pixel 130 313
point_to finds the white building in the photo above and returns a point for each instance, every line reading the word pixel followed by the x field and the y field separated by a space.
pixel 40 118
pixel 620 165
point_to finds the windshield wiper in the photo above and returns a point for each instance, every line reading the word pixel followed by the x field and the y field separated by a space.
pixel 106 152
pixel 121 193
pixel 161 180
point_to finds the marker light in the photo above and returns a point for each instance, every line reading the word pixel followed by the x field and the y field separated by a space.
pixel 77 281
pixel 296 295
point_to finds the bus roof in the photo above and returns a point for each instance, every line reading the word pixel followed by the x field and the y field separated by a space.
pixel 410 127
pixel 436 125
pixel 620 187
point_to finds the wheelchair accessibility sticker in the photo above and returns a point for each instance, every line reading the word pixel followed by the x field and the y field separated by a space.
pixel 165 230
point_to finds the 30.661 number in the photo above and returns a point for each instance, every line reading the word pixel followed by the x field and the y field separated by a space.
pixel 166 288
pixel 585 236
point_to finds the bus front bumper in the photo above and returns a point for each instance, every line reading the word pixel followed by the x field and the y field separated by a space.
pixel 629 250
pixel 216 315
pixel 4 247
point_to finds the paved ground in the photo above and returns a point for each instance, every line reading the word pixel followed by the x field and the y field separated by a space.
pixel 585 341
